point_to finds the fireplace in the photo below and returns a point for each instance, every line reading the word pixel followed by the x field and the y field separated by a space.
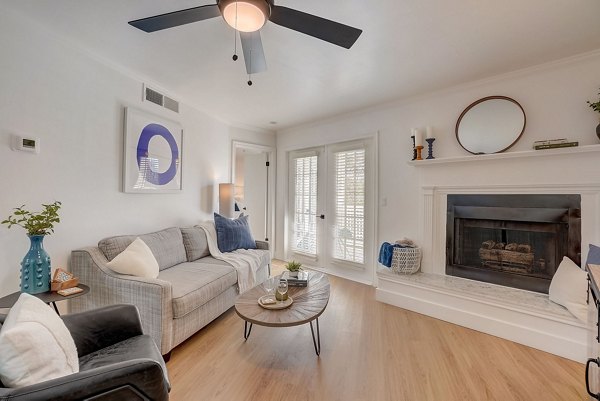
pixel 512 240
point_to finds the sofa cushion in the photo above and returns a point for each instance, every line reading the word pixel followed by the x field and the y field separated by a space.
pixel 233 234
pixel 195 243
pixel 166 246
pixel 196 283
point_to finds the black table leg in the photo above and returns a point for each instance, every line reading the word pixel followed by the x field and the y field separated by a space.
pixel 55 308
pixel 247 330
pixel 317 342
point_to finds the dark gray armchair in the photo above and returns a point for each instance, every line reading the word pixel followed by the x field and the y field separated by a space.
pixel 116 361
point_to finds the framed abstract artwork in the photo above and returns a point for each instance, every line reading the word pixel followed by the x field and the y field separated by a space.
pixel 151 154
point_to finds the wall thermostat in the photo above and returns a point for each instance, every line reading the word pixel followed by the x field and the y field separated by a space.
pixel 26 144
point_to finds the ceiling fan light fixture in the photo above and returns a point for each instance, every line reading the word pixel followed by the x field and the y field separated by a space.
pixel 245 15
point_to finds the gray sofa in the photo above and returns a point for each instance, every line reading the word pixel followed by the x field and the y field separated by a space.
pixel 192 288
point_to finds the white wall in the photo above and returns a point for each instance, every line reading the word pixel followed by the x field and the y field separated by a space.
pixel 74 103
pixel 552 95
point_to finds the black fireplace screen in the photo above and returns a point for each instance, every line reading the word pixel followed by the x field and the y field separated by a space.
pixel 512 240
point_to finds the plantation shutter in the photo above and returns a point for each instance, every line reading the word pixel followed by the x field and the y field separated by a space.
pixel 349 205
pixel 304 230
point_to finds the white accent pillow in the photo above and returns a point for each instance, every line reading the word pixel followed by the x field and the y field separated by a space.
pixel 136 260
pixel 35 345
pixel 569 288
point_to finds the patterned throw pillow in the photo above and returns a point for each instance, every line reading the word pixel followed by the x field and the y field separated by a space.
pixel 233 234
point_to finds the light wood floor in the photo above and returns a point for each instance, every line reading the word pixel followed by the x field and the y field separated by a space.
pixel 370 351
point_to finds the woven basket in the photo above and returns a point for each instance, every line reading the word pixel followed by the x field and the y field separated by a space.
pixel 406 260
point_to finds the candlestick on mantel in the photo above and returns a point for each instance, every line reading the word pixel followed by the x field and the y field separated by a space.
pixel 419 149
pixel 430 147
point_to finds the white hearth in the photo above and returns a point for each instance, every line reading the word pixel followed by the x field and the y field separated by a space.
pixel 522 316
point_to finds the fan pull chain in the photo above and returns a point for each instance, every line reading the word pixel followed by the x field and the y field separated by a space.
pixel 250 63
pixel 235 56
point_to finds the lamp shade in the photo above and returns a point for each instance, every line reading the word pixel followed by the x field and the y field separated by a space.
pixel 245 15
pixel 226 202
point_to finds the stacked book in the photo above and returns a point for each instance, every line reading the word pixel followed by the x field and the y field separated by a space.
pixel 554 143
pixel 301 280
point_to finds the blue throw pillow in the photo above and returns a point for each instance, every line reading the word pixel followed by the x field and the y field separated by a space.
pixel 593 255
pixel 233 234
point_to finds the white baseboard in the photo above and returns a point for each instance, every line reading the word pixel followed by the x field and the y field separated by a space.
pixel 557 335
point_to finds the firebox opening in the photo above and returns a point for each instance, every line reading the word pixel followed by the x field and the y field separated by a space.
pixel 512 240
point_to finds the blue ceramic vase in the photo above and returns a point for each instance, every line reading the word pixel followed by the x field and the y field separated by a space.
pixel 35 267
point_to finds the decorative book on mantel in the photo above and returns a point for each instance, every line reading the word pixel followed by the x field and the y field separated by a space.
pixel 554 144
pixel 301 280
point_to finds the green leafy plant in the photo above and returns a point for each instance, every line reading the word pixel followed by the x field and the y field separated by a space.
pixel 41 223
pixel 293 266
pixel 595 106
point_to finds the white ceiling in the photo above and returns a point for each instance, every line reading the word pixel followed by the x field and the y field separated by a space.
pixel 407 47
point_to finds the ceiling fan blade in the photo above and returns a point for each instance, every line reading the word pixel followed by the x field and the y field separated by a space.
pixel 321 28
pixel 176 18
pixel 254 54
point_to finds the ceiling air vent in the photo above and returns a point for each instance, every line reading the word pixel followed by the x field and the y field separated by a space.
pixel 158 98
pixel 171 104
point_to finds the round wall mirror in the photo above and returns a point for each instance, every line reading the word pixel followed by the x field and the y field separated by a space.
pixel 490 125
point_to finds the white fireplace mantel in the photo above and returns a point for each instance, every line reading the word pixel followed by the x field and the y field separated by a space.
pixel 507 155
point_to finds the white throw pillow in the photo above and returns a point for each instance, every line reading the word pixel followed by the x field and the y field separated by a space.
pixel 136 260
pixel 569 288
pixel 35 345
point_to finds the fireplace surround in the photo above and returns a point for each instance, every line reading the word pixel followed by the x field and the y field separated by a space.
pixel 512 240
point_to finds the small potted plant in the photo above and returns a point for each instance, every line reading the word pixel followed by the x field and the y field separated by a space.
pixel 35 267
pixel 596 107
pixel 293 267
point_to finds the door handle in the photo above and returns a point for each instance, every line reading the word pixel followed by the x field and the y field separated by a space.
pixel 321 216
pixel 587 376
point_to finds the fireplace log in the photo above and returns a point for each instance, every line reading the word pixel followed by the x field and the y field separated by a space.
pixel 500 257
pixel 488 244
pixel 524 248
pixel 497 254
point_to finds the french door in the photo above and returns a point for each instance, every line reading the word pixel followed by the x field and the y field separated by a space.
pixel 331 206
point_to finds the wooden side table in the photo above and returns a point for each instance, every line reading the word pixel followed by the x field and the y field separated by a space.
pixel 48 297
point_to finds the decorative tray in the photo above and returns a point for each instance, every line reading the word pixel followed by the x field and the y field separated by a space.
pixel 277 304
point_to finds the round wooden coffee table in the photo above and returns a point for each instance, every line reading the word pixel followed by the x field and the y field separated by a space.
pixel 309 303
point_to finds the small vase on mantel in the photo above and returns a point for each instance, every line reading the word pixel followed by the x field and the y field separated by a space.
pixel 35 267
pixel 598 131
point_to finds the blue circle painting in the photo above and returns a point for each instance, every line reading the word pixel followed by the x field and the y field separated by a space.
pixel 154 177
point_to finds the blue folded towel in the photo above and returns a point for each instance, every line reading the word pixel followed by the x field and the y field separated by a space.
pixel 387 251
pixel 385 254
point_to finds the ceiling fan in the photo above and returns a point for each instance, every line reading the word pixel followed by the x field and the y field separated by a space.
pixel 248 17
